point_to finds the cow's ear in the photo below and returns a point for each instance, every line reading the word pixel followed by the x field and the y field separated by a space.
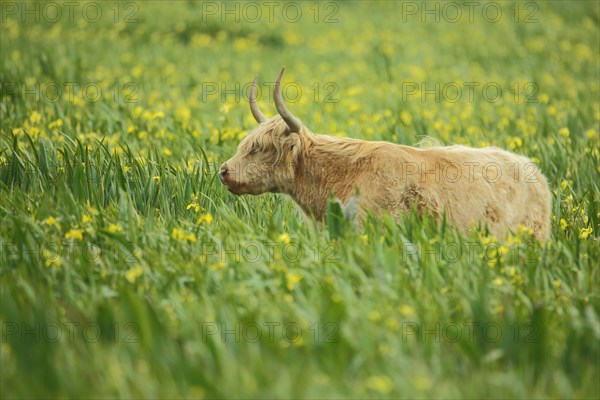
pixel 292 122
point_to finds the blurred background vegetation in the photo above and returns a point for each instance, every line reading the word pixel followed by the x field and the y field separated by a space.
pixel 121 253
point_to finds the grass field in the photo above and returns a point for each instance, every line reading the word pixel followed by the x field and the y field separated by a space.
pixel 127 270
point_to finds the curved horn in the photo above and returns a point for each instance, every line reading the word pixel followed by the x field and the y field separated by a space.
pixel 292 122
pixel 256 113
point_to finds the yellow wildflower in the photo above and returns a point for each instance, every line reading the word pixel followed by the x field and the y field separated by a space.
pixel 564 132
pixel 585 232
pixel 195 206
pixel 406 310
pixel 183 113
pixel 53 262
pixel 515 142
pixel 590 134
pixel 133 273
pixel 502 250
pixel 115 228
pixel 55 124
pixel 204 218
pixel 284 238
pixel 218 266
pixel 74 234
pixel 201 40
pixel 178 234
pixel 379 383
pixel 92 211
pixel 138 70
pixel 35 117
pixel 556 283
pixel 50 221
pixel 421 383
pixel 374 316
pixel 392 323
pixel 292 280
pixel 524 230
pixel 485 240
pixel 405 118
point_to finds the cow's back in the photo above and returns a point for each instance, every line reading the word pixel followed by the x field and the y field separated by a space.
pixel 488 186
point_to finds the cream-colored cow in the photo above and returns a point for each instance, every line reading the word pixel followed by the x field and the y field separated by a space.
pixel 471 186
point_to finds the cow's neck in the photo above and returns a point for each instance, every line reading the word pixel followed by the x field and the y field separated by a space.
pixel 320 173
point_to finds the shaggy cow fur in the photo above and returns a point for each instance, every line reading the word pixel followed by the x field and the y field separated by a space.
pixel 471 186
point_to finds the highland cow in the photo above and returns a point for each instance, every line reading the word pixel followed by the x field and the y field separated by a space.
pixel 487 186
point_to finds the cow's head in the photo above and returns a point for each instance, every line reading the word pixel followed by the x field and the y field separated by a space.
pixel 266 159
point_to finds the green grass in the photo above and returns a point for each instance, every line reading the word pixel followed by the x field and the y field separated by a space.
pixel 127 270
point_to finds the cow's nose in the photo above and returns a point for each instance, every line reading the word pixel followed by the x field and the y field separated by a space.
pixel 223 171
